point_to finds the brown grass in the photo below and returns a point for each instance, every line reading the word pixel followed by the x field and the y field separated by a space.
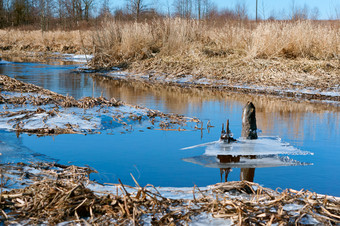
pixel 59 194
pixel 270 53
pixel 276 53
pixel 171 37
pixel 54 41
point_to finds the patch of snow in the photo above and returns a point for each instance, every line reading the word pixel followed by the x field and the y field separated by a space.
pixel 82 58
pixel 207 219
pixel 309 220
pixel 292 207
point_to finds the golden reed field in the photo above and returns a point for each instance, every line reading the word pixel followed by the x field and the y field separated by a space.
pixel 271 53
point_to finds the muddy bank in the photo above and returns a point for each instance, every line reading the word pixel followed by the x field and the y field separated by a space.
pixel 291 78
pixel 53 193
pixel 296 92
pixel 31 109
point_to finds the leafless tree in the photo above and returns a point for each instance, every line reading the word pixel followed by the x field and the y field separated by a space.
pixel 87 6
pixel 315 13
pixel 136 7
pixel 183 8
pixel 46 12
pixel 241 10
pixel 104 11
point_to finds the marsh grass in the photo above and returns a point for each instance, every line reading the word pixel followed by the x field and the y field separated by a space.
pixel 269 53
pixel 131 41
pixel 54 41
pixel 194 39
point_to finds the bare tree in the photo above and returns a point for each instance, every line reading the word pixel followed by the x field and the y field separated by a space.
pixel 315 13
pixel 2 14
pixel 136 7
pixel 87 6
pixel 292 9
pixel 199 7
pixel 299 13
pixel 45 11
pixel 183 8
pixel 208 8
pixel 105 9
pixel 20 10
pixel 241 10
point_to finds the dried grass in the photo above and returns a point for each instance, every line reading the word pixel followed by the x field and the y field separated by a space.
pixel 46 98
pixel 62 196
pixel 190 38
pixel 51 41
pixel 274 54
pixel 270 53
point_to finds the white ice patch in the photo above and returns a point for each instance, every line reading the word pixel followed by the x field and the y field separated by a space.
pixel 261 146
pixel 292 207
pixel 207 219
pixel 309 220
pixel 4 62
pixel 43 120
pixel 81 58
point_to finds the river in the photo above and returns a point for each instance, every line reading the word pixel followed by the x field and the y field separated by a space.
pixel 155 156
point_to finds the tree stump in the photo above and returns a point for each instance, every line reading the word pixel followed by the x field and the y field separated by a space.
pixel 249 128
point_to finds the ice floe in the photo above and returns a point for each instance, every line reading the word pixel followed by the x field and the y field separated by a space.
pixel 264 145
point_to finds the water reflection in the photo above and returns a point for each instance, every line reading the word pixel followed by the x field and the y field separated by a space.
pixel 246 173
pixel 246 163
pixel 306 125
pixel 270 110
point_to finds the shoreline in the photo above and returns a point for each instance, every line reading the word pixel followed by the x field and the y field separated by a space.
pixel 306 94
pixel 83 201
pixel 69 188
pixel 294 91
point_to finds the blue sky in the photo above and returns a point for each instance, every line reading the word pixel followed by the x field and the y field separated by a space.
pixel 328 9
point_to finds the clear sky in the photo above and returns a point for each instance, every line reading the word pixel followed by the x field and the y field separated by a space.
pixel 328 9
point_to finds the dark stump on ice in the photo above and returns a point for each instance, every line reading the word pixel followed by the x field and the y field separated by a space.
pixel 226 136
pixel 249 121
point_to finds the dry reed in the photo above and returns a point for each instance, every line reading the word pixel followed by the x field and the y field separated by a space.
pixel 171 37
pixel 44 99
pixel 289 54
pixel 61 194
pixel 51 41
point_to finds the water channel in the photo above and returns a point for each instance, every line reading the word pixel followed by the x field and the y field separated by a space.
pixel 155 156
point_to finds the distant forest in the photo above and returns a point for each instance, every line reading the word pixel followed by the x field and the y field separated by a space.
pixel 77 14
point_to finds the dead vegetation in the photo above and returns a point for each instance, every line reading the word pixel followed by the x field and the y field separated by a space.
pixel 52 105
pixel 16 41
pixel 63 195
pixel 288 54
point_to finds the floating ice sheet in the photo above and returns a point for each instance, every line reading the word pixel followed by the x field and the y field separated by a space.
pixel 261 146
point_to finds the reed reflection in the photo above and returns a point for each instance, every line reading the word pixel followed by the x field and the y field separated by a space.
pixel 292 115
pixel 247 174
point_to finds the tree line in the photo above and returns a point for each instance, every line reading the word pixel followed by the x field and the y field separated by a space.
pixel 72 14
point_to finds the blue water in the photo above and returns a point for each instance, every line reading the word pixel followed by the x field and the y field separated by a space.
pixel 154 156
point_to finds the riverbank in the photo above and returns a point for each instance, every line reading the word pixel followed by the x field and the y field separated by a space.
pixel 298 59
pixel 32 109
pixel 42 190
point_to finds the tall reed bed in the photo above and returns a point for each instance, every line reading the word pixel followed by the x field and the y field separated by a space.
pixel 58 41
pixel 122 41
pixel 118 41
